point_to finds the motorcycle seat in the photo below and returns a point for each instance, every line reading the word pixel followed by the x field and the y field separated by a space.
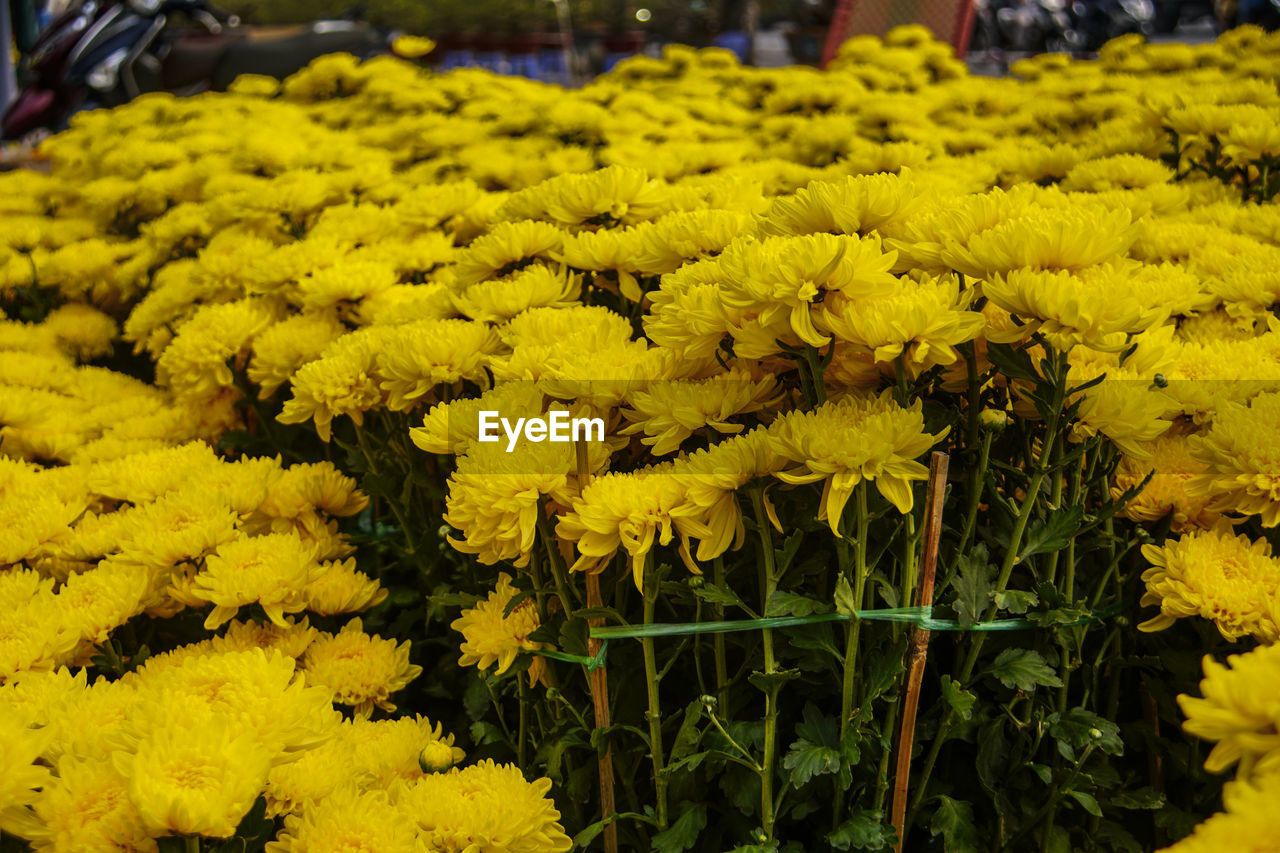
pixel 281 56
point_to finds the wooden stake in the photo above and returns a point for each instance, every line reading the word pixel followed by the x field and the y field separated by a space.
pixel 598 680
pixel 938 464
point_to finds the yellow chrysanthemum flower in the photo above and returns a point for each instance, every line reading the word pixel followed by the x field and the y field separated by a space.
pixel 1246 826
pixel 1238 451
pixel 853 439
pixel 666 413
pixel 489 637
pixel 347 819
pixel 361 670
pixel 194 779
pixel 484 806
pixel 1239 711
pixel 89 809
pixel 271 571
pixel 1228 579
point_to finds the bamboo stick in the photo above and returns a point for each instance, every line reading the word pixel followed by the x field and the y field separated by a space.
pixel 598 681
pixel 938 464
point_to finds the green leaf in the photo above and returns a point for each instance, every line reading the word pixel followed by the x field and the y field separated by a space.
pixel 1015 600
pixel 684 833
pixel 792 604
pixel 720 596
pixel 817 752
pixel 1087 802
pixel 584 838
pixel 844 597
pixel 960 700
pixel 886 668
pixel 769 682
pixel 689 735
pixel 1059 840
pixel 1052 535
pixel 863 831
pixel 1140 798
pixel 1023 669
pixel 1012 362
pixel 953 820
pixel 973 583
pixel 1079 728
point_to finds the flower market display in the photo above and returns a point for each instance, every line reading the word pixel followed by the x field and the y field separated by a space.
pixel 293 557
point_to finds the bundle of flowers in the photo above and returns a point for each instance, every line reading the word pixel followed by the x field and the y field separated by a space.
pixel 592 425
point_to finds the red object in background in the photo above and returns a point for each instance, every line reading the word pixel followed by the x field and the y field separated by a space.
pixel 835 35
pixel 949 20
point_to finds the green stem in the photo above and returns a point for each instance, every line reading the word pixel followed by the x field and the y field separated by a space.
pixel 769 582
pixel 852 629
pixel 523 734
pixel 722 667
pixel 191 843
pixel 1058 378
pixel 977 479
pixel 558 572
pixel 655 712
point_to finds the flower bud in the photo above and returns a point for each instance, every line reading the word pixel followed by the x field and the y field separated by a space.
pixel 435 757
pixel 994 419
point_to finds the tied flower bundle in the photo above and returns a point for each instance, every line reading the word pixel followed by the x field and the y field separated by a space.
pixel 252 533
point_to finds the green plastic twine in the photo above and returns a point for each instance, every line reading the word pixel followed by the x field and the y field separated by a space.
pixel 921 617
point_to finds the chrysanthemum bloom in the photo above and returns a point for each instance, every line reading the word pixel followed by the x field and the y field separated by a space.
pixel 666 244
pixel 532 287
pixel 1239 452
pixel 1169 461
pixel 453 427
pixel 96 602
pixel 488 637
pixel 361 670
pixel 616 194
pixel 666 413
pixel 487 807
pixel 342 382
pixel 423 355
pixel 196 777
pixel 1088 305
pixel 342 589
pixel 494 496
pixel 1212 574
pixel 507 247
pixel 387 750
pixel 778 282
pixel 179 526
pixel 198 363
pixel 89 809
pixel 291 641
pixel 347 819
pixel 272 571
pixel 853 439
pixel 635 511
pixel 20 776
pixel 857 204
pixel 1067 238
pixel 1247 824
pixel 299 489
pixel 1125 406
pixel 257 692
pixel 922 320
pixel 285 346
pixel 1240 711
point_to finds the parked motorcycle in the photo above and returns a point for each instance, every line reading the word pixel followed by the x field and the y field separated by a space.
pixel 105 54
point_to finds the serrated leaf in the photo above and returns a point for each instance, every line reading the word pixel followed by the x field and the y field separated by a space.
pixel 1052 535
pixel 960 700
pixel 1141 798
pixel 684 833
pixel 1079 728
pixel 953 820
pixel 573 636
pixel 688 736
pixel 720 596
pixel 817 752
pixel 886 668
pixel 845 604
pixel 1087 802
pixel 973 583
pixel 1024 669
pixel 864 830
pixel 1015 600
pixel 1012 362
pixel 768 682
pixel 793 604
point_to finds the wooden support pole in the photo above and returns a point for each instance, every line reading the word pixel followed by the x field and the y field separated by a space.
pixel 938 464
pixel 598 680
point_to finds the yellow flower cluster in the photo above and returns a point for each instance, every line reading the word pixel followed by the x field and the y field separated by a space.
pixel 377 240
